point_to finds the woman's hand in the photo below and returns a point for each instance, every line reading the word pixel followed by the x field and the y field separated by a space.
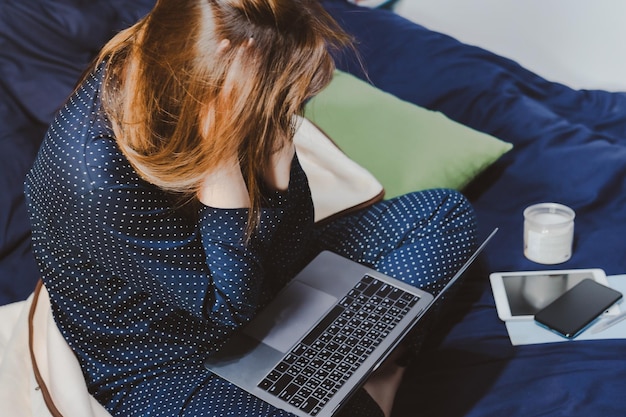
pixel 277 176
pixel 225 187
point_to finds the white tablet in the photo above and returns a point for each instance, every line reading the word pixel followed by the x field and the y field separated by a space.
pixel 519 295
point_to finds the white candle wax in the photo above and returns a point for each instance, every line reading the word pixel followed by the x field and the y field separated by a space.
pixel 548 233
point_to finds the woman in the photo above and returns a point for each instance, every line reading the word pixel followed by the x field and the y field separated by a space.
pixel 167 202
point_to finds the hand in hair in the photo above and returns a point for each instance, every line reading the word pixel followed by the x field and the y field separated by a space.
pixel 277 176
pixel 225 188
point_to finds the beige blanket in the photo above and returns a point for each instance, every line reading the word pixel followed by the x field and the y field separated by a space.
pixel 39 374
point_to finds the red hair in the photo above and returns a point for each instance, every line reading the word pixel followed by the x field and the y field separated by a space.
pixel 199 81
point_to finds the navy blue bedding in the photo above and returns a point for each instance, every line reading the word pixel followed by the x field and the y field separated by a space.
pixel 569 147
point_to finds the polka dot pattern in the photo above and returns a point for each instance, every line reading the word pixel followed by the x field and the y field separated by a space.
pixel 144 288
pixel 420 238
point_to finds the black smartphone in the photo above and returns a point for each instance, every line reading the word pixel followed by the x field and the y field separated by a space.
pixel 577 308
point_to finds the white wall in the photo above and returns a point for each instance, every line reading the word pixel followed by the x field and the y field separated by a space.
pixel 581 43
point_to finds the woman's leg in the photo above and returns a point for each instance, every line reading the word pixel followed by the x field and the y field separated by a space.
pixel 217 397
pixel 187 389
pixel 421 238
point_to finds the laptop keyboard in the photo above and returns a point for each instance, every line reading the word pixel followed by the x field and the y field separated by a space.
pixel 314 370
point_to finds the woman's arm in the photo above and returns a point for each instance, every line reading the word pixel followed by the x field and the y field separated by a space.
pixel 225 188
pixel 277 177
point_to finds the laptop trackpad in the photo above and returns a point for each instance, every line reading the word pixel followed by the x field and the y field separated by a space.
pixel 290 316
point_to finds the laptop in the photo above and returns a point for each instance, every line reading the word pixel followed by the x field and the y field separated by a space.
pixel 323 334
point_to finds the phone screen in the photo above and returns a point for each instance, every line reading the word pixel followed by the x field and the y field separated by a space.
pixel 577 308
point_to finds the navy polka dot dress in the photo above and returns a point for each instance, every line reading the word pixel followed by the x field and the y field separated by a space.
pixel 144 288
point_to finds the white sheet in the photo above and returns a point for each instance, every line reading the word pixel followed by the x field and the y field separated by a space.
pixel 20 393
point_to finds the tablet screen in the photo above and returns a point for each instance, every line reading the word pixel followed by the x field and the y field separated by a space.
pixel 527 294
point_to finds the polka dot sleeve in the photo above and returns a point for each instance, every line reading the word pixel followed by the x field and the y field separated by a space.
pixel 236 266
pixel 246 273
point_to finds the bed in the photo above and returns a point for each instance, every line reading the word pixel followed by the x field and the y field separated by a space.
pixel 568 146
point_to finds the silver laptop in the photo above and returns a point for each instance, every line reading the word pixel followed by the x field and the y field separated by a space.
pixel 323 335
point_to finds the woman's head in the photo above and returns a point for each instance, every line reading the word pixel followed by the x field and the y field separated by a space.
pixel 198 81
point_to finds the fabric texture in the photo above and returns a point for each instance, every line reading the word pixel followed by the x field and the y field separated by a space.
pixel 39 373
pixel 337 183
pixel 425 148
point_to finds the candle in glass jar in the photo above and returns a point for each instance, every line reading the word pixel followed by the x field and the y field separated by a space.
pixel 548 233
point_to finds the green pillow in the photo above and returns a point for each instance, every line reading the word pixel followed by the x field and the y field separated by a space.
pixel 406 147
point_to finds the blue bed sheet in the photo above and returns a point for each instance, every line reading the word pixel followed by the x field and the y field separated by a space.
pixel 569 147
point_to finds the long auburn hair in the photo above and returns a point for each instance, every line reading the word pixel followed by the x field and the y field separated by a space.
pixel 180 104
